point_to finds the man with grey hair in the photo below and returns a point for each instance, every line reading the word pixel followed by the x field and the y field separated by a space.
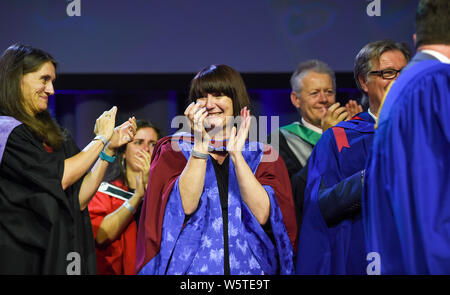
pixel 313 94
pixel 406 201
pixel 313 91
pixel 332 239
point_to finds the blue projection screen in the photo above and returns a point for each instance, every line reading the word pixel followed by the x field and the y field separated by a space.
pixel 168 36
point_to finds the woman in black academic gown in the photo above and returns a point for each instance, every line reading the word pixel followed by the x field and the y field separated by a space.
pixel 44 185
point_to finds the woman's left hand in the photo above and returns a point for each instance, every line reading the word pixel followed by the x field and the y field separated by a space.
pixel 145 159
pixel 141 186
pixel 236 142
pixel 123 134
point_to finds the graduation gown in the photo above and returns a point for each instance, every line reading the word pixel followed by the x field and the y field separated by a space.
pixel 339 154
pixel 168 244
pixel 295 144
pixel 42 230
pixel 406 202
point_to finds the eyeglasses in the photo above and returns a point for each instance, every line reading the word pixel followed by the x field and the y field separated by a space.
pixel 386 74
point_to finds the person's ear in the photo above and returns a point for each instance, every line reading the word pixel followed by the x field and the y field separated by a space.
pixel 295 99
pixel 363 83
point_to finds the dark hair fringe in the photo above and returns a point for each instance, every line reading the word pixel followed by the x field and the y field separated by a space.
pixel 220 80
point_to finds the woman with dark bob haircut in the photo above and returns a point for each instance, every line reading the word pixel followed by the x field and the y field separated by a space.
pixel 45 185
pixel 215 203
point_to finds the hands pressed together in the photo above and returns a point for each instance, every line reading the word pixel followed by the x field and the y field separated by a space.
pixel 197 113
pixel 336 113
pixel 118 136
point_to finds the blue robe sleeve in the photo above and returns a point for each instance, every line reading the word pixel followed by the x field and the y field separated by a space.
pixel 342 200
pixel 314 250
pixel 331 238
pixel 406 201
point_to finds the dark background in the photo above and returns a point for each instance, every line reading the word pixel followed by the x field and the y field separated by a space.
pixel 140 55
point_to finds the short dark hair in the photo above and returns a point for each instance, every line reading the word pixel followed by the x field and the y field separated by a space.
pixel 433 22
pixel 17 61
pixel 220 80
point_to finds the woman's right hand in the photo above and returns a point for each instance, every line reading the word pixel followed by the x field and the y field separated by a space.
pixel 196 113
pixel 104 125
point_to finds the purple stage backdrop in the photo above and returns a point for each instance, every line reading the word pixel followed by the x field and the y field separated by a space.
pixel 163 39
pixel 179 36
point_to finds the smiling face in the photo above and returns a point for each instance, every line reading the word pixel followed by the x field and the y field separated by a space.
pixel 36 87
pixel 145 139
pixel 375 86
pixel 316 95
pixel 219 108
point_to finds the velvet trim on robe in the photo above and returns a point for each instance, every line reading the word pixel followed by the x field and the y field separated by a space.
pixel 163 217
pixel 340 153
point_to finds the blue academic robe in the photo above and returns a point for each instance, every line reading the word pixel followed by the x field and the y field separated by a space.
pixel 340 153
pixel 196 246
pixel 406 202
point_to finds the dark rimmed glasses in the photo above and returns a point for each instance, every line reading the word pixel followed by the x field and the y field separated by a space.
pixel 388 74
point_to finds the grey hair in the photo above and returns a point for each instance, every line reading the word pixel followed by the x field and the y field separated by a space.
pixel 373 51
pixel 304 68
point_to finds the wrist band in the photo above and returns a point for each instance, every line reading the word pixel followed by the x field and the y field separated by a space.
pixel 199 155
pixel 100 137
pixel 129 207
pixel 107 158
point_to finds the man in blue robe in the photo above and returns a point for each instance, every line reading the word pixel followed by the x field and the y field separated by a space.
pixel 331 237
pixel 406 204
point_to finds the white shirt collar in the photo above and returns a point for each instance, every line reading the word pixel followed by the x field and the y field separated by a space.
pixel 311 126
pixel 438 55
pixel 372 115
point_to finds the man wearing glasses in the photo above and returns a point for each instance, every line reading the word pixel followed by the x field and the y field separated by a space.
pixel 332 238
pixel 376 65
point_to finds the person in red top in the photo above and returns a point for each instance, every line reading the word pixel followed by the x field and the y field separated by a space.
pixel 115 204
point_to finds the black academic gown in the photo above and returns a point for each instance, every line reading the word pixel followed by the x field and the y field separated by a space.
pixel 42 230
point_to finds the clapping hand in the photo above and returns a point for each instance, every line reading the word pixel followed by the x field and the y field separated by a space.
pixel 352 108
pixel 123 134
pixel 144 159
pixel 237 139
pixel 334 115
pixel 104 125
pixel 196 113
pixel 140 185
